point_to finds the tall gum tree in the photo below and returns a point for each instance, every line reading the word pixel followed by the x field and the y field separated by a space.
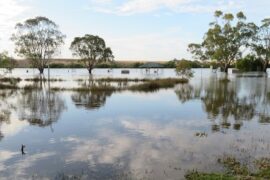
pixel 224 40
pixel 92 50
pixel 261 42
pixel 37 40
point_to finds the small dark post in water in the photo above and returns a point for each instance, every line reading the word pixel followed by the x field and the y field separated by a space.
pixel 22 149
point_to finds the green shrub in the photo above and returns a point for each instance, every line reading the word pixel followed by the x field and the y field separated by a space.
pixel 75 65
pixel 57 65
pixel 103 65
pixel 170 64
pixel 249 63
pixel 183 69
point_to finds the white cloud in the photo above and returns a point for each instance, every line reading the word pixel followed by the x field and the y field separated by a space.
pixel 19 169
pixel 131 7
pixel 166 45
pixel 11 12
pixel 14 127
pixel 10 9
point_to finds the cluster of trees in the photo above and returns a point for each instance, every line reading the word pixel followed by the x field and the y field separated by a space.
pixel 39 39
pixel 230 40
pixel 230 37
pixel 192 64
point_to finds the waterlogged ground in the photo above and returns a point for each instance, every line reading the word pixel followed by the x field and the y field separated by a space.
pixel 132 135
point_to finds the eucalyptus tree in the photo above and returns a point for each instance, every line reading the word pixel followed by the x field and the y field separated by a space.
pixel 224 40
pixel 261 43
pixel 37 40
pixel 92 50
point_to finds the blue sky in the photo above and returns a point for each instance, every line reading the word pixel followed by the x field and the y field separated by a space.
pixel 134 29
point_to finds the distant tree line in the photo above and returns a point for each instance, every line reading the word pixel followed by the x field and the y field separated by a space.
pixel 119 64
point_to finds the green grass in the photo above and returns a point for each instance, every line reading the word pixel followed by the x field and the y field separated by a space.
pixel 235 170
pixel 194 175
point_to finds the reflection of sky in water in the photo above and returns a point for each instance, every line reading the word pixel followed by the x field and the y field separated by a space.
pixel 136 135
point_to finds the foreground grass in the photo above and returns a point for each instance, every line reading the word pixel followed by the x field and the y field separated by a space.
pixel 194 175
pixel 235 171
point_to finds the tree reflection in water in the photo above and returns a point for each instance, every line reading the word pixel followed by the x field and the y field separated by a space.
pixel 40 106
pixel 92 99
pixel 225 103
pixel 186 92
pixel 6 107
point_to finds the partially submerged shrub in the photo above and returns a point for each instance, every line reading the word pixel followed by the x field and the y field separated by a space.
pixel 183 69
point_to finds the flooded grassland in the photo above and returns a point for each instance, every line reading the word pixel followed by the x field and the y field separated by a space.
pixel 78 126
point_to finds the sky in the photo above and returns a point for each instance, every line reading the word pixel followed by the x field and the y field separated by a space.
pixel 151 30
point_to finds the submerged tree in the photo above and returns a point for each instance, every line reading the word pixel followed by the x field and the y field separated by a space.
pixel 92 50
pixel 261 44
pixel 183 69
pixel 37 39
pixel 224 40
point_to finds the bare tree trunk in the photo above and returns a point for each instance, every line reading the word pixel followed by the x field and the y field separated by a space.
pixel 90 70
pixel 41 70
pixel 226 68
pixel 265 66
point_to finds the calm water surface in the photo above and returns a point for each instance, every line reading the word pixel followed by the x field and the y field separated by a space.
pixel 132 135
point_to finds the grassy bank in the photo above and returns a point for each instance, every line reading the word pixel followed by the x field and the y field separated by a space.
pixel 235 171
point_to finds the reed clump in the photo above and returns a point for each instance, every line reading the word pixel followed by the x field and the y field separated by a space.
pixel 10 80
pixel 8 86
pixel 157 84
pixel 146 85
pixel 38 79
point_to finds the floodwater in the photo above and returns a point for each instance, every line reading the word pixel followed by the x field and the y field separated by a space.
pixel 131 135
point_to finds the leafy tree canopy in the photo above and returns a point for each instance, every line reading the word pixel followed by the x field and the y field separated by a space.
pixel 92 50
pixel 37 39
